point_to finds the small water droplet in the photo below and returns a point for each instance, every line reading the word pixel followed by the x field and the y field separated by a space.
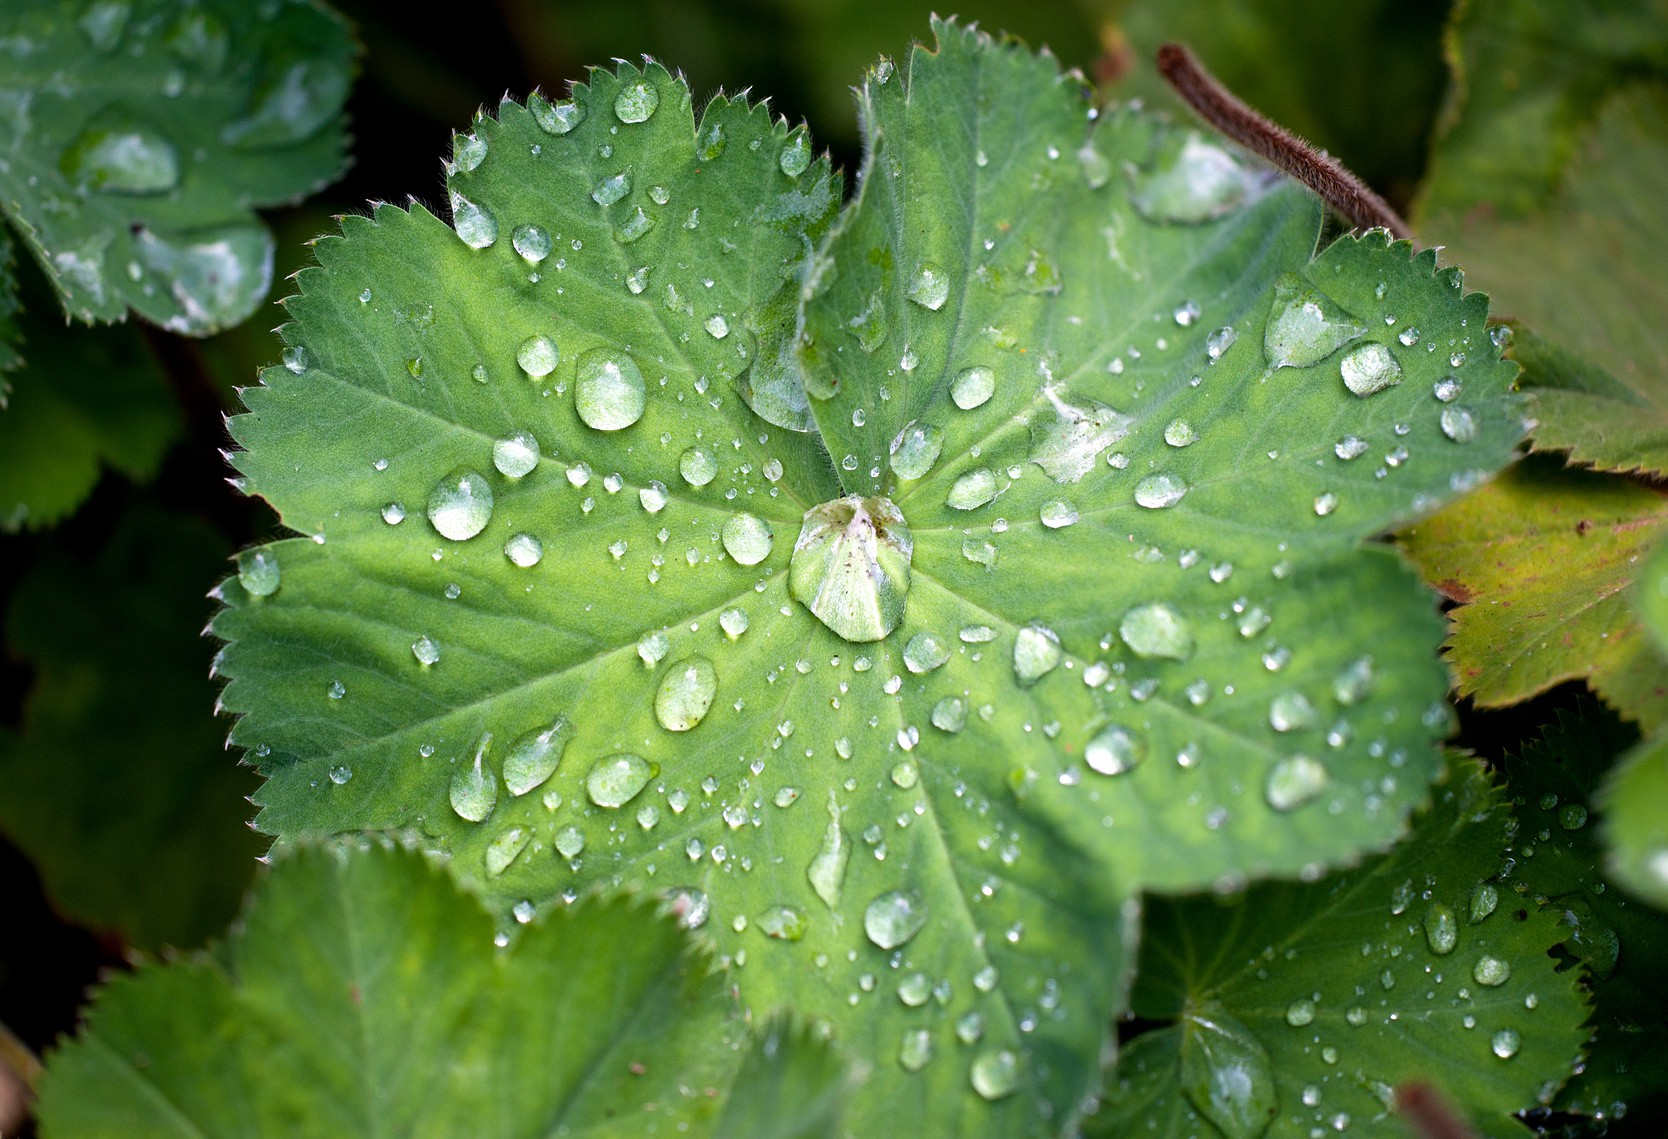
pixel 1491 971
pixel 1441 929
pixel 1505 1043
pixel 1300 1012
pixel 460 506
pixel 931 286
pixel 924 653
pixel 973 387
pixel 426 651
pixel 258 572
pixel 995 1074
pixel 1458 424
pixel 1114 750
pixel 1155 492
pixel 1157 631
pixel 532 242
pixel 538 356
pixel 1037 652
pixel 796 155
pixel 972 490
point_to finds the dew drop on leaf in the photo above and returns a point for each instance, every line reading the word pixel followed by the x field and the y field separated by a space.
pixel 504 848
pixel 924 653
pixel 1294 782
pixel 1304 327
pixel 1191 181
pixel 1458 424
pixel 556 118
pixel 1067 445
pixel 1155 492
pixel 1505 1043
pixel 1369 369
pixel 475 224
pixel 609 393
pixel 686 693
pixel 460 506
pixel 915 450
pixel 1114 750
pixel 1441 929
pixel 1491 970
pixel 698 466
pixel 747 539
pixel 426 651
pixel 524 550
pixel 258 573
pixel 570 841
pixel 515 455
pixel 1157 631
pixel 538 356
pixel 931 286
pixel 973 387
pixel 915 1052
pixel 972 490
pixel 474 788
pixel 796 155
pixel 532 242
pixel 533 758
pixel 1037 652
pixel 125 159
pixel 616 780
pixel 636 101
pixel 895 917
pixel 783 923
pixel 995 1074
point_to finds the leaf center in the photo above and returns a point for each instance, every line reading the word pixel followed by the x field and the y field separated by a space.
pixel 851 566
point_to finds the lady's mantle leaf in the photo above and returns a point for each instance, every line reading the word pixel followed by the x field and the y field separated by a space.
pixel 137 136
pixel 1417 965
pixel 648 546
pixel 361 995
pixel 1542 560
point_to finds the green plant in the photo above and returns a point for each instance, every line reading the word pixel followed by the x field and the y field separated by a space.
pixel 921 660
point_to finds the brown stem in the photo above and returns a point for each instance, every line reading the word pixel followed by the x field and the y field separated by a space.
pixel 19 1071
pixel 1316 169
pixel 1429 1114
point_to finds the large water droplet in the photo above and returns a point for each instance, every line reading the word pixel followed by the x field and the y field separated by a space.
pixel 1370 368
pixel 504 848
pixel 1037 652
pixel 995 1074
pixel 1304 327
pixel 1300 1012
pixel 972 490
pixel 616 780
pixel 1356 680
pixel 686 693
pixel 1484 899
pixel 973 387
pixel 895 917
pixel 474 789
pixel 783 923
pixel 126 159
pixel 796 155
pixel 1157 630
pixel 612 188
pixel 609 393
pixel 516 455
pixel 1291 711
pixel 460 506
pixel 915 1052
pixel 698 466
pixel 1067 445
pixel 1114 750
pixel 1191 181
pixel 1294 781
pixel 931 286
pixel 1505 1043
pixel 524 550
pixel 1491 970
pixel 475 224
pixel 426 651
pixel 258 572
pixel 827 869
pixel 636 101
pixel 538 356
pixel 851 566
pixel 1458 424
pixel 916 449
pixel 569 841
pixel 1226 1073
pixel 534 757
pixel 747 539
pixel 1441 928
pixel 556 118
pixel 1155 492
pixel 532 242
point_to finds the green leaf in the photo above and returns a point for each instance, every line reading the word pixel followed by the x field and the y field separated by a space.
pixel 9 310
pixel 116 783
pixel 1401 969
pixel 1363 83
pixel 1637 824
pixel 1559 786
pixel 141 134
pixel 1541 560
pixel 361 995
pixel 85 399
pixel 1584 411
pixel 895 793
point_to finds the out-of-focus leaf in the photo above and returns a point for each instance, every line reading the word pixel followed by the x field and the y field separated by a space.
pixel 117 783
pixel 1559 787
pixel 1585 412
pixel 10 311
pixel 1541 560
pixel 1414 966
pixel 138 136
pixel 84 399
pixel 1362 81
pixel 361 994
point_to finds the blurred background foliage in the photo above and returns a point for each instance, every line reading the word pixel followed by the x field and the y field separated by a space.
pixel 1528 136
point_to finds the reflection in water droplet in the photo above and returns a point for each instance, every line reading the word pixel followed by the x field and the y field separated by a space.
pixel 475 224
pixel 426 651
pixel 995 1074
pixel 474 789
pixel 895 917
pixel 734 622
pixel 460 506
pixel 747 539
pixel 1458 424
pixel 1484 899
pixel 609 393
pixel 1114 750
pixel 686 693
pixel 636 101
pixel 851 569
pixel 617 779
pixel 698 466
pixel 1157 631
pixel 534 757
pixel 1155 492
pixel 1369 369
pixel 258 572
pixel 1057 514
pixel 1304 327
pixel 516 455
pixel 524 550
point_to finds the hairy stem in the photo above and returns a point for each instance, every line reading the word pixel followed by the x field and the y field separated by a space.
pixel 1316 169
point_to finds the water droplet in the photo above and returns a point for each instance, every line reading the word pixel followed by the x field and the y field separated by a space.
pixel 1067 446
pixel 1155 492
pixel 1441 929
pixel 1226 1073
pixel 609 393
pixel 783 923
pixel 747 539
pixel 340 774
pixel 475 224
pixel 1458 424
pixel 556 118
pixel 1290 711
pixel 950 714
pixel 973 387
pixel 915 1052
pixel 1114 750
pixel 895 917
pixel 1057 514
pixel 1300 1012
pixel 1491 971
pixel 612 188
pixel 972 490
pixel 617 779
pixel 850 566
pixel 1095 166
pixel 474 789
pixel 827 869
pixel 1484 899
pixel 127 159
pixel 1218 342
pixel 426 651
pixel 104 22
pixel 734 622
pixel 538 356
pixel 460 506
pixel 516 455
pixel 636 225
pixel 1356 680
pixel 1370 368
pixel 995 1074
pixel 1192 181
pixel 924 653
pixel 504 848
pixel 796 155
pixel 915 450
pixel 1180 433
pixel 1325 504
pixel 653 497
pixel 636 101
pixel 1157 631
pixel 686 693
pixel 1037 652
pixel 524 550
pixel 1350 447
pixel 1293 782
pixel 1505 1043
pixel 336 691
pixel 258 572
pixel 1574 816
pixel 570 841
pixel 534 757
pixel 931 286
pixel 1305 327
pixel 532 242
